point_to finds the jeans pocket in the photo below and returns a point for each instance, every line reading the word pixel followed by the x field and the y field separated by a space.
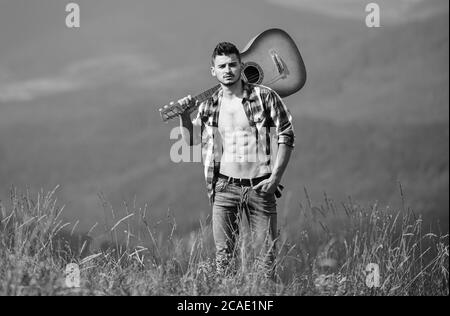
pixel 221 185
pixel 264 194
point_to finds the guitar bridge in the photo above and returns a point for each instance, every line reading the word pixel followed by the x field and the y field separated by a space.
pixel 278 62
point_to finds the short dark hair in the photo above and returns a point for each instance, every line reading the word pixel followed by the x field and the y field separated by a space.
pixel 225 48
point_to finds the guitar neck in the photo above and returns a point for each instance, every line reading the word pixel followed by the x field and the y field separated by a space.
pixel 206 94
pixel 172 111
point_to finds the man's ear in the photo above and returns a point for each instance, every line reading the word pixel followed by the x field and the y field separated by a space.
pixel 213 71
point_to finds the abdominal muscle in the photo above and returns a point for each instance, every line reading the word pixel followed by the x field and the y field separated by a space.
pixel 240 156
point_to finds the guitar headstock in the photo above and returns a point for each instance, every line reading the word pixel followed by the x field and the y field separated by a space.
pixel 168 112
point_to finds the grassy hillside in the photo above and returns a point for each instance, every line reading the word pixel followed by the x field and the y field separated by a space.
pixel 328 254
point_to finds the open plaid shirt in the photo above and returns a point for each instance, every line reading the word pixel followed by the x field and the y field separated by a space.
pixel 264 109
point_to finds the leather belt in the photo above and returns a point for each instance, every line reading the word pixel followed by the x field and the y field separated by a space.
pixel 251 182
pixel 243 181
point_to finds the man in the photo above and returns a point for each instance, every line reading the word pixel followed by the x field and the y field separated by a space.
pixel 236 146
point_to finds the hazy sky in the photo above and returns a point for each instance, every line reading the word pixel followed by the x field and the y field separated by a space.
pixel 391 10
pixel 39 56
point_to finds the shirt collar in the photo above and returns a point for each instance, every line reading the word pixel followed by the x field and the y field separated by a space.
pixel 249 94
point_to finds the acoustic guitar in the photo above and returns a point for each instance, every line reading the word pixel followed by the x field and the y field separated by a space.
pixel 271 59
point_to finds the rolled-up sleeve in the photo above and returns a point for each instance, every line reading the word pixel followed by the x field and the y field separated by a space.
pixel 281 118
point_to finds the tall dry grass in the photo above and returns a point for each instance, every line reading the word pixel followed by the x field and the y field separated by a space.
pixel 326 252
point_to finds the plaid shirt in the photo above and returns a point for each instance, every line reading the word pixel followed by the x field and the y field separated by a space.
pixel 264 109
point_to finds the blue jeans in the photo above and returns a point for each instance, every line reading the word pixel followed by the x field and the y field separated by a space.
pixel 231 203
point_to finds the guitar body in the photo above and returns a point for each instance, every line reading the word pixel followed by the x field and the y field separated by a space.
pixel 271 59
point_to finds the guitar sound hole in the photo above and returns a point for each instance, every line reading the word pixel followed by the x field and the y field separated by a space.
pixel 253 73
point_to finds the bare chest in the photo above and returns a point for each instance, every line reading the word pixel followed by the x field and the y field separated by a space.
pixel 232 115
